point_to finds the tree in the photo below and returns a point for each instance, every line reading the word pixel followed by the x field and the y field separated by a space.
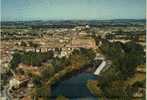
pixel 35 45
pixel 112 50
pixel 47 72
pixel 89 53
pixel 133 47
pixel 109 36
pixel 34 58
pixel 62 98
pixel 120 31
pixel 47 55
pixel 125 58
pixel 114 89
pixel 30 43
pixel 42 92
pixel 60 63
pixel 24 44
pixel 80 58
pixel 57 50
pixel 15 60
pixel 37 81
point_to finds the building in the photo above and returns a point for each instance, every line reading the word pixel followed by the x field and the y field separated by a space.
pixel 82 43
pixel 14 83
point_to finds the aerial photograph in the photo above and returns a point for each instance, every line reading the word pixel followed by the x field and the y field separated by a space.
pixel 73 50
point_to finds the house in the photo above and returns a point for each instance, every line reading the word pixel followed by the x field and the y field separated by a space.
pixel 14 83
pixel 82 33
pixel 64 52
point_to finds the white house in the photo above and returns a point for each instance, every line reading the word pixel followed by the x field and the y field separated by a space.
pixel 14 83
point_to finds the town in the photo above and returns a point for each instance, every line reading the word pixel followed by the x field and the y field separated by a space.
pixel 39 59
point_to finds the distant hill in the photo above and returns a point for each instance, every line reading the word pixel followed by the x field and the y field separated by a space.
pixel 73 23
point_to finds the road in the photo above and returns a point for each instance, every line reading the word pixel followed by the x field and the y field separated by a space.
pixel 6 93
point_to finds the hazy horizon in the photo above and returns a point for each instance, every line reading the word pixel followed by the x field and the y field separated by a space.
pixel 29 10
pixel 69 20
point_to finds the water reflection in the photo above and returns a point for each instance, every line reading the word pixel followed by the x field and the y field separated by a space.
pixel 75 87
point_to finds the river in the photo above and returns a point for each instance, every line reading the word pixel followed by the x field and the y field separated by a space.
pixel 75 87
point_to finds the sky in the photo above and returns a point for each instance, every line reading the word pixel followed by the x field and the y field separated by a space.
pixel 20 10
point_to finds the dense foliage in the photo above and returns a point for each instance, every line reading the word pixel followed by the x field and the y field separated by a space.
pixel 15 60
pixel 125 58
pixel 30 58
pixel 79 58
